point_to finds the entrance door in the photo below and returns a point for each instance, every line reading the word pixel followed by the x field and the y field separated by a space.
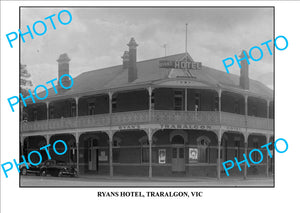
pixel 92 155
pixel 178 158
pixel 178 154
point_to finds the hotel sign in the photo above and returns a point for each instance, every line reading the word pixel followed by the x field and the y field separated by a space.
pixel 185 126
pixel 180 64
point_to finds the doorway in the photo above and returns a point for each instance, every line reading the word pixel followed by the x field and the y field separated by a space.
pixel 92 155
pixel 178 154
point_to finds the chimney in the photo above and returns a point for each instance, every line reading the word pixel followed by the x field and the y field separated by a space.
pixel 244 75
pixel 63 68
pixel 125 58
pixel 132 70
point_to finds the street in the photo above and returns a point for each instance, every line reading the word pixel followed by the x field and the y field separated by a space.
pixel 118 181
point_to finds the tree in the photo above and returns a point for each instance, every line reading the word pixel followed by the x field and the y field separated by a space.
pixel 25 84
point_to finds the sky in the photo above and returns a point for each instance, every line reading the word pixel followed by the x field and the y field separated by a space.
pixel 97 37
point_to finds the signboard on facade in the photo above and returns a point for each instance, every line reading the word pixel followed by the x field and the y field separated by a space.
pixel 129 127
pixel 184 126
pixel 162 156
pixel 193 155
pixel 102 156
pixel 190 65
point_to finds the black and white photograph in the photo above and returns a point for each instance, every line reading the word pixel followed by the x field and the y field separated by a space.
pixel 147 96
pixel 149 106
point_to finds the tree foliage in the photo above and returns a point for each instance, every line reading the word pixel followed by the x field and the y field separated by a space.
pixel 25 82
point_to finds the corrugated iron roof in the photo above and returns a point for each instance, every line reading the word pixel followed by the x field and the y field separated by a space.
pixel 149 71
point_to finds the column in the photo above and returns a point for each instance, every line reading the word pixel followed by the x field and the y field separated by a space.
pixel 220 138
pixel 111 171
pixel 110 142
pixel 246 106
pixel 185 99
pixel 77 108
pixel 246 153
pixel 21 113
pixel 47 108
pixel 150 158
pixel 268 110
pixel 150 99
pixel 21 144
pixel 150 152
pixel 110 94
pixel 219 159
pixel 47 114
pixel 77 146
pixel 267 155
pixel 47 139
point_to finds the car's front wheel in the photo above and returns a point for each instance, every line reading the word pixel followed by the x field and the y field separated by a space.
pixel 24 171
pixel 43 173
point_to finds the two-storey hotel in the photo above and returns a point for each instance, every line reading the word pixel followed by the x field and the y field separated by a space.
pixel 166 116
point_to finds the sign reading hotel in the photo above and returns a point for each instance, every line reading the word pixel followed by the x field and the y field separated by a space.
pixel 180 64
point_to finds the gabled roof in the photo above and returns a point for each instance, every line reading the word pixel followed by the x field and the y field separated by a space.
pixel 148 71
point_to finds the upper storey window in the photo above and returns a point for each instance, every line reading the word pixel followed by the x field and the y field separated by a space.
pixel 73 110
pixel 236 107
pixel 178 100
pixel 114 103
pixel 35 115
pixel 197 102
pixel 152 100
pixel 91 109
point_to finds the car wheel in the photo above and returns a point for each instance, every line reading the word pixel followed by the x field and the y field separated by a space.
pixel 24 171
pixel 43 173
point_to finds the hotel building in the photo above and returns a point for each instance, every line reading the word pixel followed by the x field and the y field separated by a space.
pixel 166 116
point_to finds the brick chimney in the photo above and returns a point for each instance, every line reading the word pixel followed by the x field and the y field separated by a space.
pixel 125 58
pixel 63 68
pixel 132 70
pixel 244 75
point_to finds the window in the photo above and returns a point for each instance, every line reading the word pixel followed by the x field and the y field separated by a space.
pixel 114 103
pixel 255 156
pixel 51 112
pixel 178 100
pixel 116 150
pixel 216 103
pixel 236 154
pixel 236 107
pixel 144 150
pixel 174 153
pixel 35 115
pixel 197 102
pixel 181 152
pixel 152 100
pixel 254 111
pixel 73 109
pixel 91 109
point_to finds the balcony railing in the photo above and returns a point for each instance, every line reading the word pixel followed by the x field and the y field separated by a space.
pixel 260 123
pixel 157 117
pixel 186 117
pixel 134 117
pixel 232 119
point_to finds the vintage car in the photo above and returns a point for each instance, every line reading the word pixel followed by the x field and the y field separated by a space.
pixel 58 169
pixel 31 170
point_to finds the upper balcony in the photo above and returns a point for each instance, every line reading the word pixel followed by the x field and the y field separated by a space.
pixel 156 117
pixel 156 106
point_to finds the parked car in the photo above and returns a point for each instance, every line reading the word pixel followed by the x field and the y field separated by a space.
pixel 31 170
pixel 58 169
